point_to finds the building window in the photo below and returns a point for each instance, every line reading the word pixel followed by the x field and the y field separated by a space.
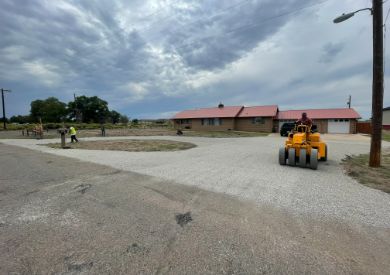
pixel 184 121
pixel 211 121
pixel 218 121
pixel 258 120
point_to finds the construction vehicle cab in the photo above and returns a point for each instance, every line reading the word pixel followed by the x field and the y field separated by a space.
pixel 302 148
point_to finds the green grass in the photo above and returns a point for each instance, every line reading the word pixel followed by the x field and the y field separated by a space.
pixel 386 135
pixel 378 178
pixel 131 145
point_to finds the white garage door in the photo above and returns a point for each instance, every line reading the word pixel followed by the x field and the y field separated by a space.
pixel 338 126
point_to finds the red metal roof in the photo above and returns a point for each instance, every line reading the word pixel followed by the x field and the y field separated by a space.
pixel 228 111
pixel 264 111
pixel 319 114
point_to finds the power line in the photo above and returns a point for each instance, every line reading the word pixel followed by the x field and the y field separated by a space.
pixel 249 26
pixel 158 12
pixel 387 16
pixel 240 3
pixel 222 11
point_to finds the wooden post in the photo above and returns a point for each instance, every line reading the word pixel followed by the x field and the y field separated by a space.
pixel 377 83
pixel 63 138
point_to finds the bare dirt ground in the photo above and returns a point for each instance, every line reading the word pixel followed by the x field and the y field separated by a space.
pixel 95 133
pixel 357 167
pixel 134 132
pixel 63 216
pixel 130 145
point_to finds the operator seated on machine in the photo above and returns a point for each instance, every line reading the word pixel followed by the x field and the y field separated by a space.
pixel 304 120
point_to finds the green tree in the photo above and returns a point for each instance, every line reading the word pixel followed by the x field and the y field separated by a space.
pixel 20 119
pixel 92 109
pixel 124 119
pixel 49 110
pixel 115 116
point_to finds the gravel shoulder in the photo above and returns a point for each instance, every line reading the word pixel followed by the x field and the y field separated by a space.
pixel 65 216
pixel 248 169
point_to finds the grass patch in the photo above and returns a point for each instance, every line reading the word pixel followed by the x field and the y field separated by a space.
pixel 378 178
pixel 386 135
pixel 131 145
pixel 223 134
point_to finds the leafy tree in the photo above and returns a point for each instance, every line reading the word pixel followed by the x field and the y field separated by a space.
pixel 49 110
pixel 20 119
pixel 92 109
pixel 135 121
pixel 2 119
pixel 124 119
pixel 115 116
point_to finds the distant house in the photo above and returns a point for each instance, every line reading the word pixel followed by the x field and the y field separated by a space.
pixel 334 121
pixel 386 118
pixel 222 118
pixel 256 119
pixel 263 119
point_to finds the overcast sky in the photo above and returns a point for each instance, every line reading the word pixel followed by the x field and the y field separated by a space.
pixel 152 58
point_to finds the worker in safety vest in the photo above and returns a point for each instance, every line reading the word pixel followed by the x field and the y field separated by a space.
pixel 72 132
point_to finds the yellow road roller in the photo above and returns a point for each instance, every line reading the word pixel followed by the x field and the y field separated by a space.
pixel 303 148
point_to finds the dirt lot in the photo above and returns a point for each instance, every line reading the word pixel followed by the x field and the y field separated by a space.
pixel 134 132
pixel 130 145
pixel 357 167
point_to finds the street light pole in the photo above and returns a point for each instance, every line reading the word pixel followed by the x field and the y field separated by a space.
pixel 377 83
pixel 377 78
pixel 2 100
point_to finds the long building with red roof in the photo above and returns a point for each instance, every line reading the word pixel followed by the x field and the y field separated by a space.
pixel 264 119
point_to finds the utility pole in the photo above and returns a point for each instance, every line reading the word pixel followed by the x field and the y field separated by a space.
pixel 2 99
pixel 349 101
pixel 377 84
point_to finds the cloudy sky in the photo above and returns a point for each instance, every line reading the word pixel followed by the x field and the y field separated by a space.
pixel 151 58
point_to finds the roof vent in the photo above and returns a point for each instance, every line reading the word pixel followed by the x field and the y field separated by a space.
pixel 220 105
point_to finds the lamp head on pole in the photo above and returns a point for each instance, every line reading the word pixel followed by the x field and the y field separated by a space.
pixel 343 17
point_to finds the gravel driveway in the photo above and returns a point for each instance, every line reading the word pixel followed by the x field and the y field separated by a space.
pixel 248 168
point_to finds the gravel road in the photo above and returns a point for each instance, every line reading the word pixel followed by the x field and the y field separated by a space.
pixel 60 215
pixel 247 168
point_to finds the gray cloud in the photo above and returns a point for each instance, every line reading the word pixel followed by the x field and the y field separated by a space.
pixel 158 56
pixel 220 38
pixel 330 51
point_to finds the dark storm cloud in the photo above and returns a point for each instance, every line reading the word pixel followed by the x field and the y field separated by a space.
pixel 156 56
pixel 88 44
pixel 218 38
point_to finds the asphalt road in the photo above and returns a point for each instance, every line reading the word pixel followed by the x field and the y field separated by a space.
pixel 64 216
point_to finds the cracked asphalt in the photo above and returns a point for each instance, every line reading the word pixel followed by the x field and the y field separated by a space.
pixel 65 215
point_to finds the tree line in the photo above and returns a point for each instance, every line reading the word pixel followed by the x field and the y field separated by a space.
pixel 83 109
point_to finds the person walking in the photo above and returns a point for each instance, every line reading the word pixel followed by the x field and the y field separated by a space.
pixel 72 132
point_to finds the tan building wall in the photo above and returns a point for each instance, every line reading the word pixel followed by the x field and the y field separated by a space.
pixel 353 126
pixel 386 117
pixel 178 125
pixel 246 124
pixel 322 125
pixel 196 124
